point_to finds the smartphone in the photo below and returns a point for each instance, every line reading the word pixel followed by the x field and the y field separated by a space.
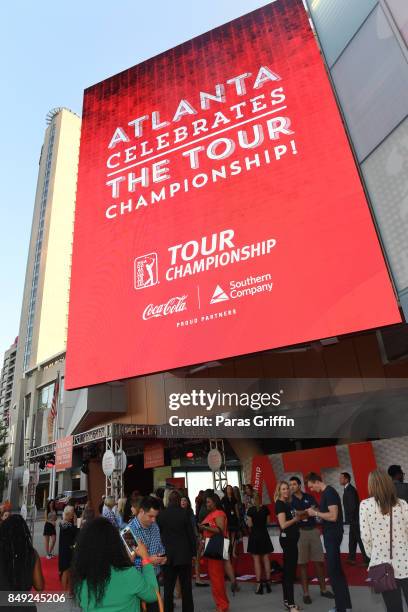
pixel 128 539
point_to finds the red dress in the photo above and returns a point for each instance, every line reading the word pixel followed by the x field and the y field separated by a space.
pixel 215 566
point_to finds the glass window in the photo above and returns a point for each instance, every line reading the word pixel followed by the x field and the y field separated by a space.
pixel 336 22
pixel 399 11
pixel 371 79
pixel 386 177
pixel 45 397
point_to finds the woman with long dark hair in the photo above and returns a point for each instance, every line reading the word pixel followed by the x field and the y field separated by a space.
pixel 230 507
pixel 103 573
pixel 20 567
pixel 186 504
pixel 214 523
pixel 376 514
pixel 49 532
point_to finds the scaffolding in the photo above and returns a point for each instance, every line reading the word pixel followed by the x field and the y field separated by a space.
pixel 113 435
pixel 220 476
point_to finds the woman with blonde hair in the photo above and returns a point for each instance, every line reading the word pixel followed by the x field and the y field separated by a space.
pixel 288 521
pixel 259 543
pixel 384 532
pixel 107 510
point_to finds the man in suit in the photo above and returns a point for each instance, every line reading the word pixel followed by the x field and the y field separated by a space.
pixel 351 504
pixel 177 534
pixel 397 475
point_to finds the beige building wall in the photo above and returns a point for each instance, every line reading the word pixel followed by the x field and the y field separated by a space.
pixel 53 317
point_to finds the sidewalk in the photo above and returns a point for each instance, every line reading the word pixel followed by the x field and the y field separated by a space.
pixel 362 598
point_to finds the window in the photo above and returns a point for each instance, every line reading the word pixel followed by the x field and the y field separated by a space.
pixel 202 480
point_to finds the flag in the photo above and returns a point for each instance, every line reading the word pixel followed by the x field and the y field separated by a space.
pixel 54 403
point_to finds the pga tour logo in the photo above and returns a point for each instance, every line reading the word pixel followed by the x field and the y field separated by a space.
pixel 173 305
pixel 146 271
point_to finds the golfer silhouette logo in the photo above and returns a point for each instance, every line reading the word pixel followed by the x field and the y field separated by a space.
pixel 146 271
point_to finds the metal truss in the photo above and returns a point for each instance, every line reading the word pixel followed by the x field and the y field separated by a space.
pixel 93 435
pixel 114 482
pixel 120 430
pixel 220 477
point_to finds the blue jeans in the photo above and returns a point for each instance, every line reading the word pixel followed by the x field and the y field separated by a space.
pixel 332 542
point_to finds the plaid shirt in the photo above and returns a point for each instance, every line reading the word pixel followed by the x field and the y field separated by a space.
pixel 150 536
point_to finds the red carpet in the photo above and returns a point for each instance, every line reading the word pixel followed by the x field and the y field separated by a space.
pixel 51 577
pixel 356 576
pixel 243 566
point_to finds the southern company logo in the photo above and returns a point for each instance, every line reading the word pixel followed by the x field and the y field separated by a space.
pixel 146 271
pixel 219 295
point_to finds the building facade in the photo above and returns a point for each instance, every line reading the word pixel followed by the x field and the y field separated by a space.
pixel 44 312
pixel 364 45
pixel 6 381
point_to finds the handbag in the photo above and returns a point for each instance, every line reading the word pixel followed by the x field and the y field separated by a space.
pixel 217 547
pixel 382 575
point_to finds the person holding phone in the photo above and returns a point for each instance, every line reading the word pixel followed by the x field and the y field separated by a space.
pixel 310 547
pixel 112 583
pixel 331 513
pixel 145 529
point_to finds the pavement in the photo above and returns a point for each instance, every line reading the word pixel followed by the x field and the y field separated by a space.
pixel 362 597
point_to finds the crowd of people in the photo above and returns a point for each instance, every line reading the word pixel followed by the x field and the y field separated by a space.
pixel 144 543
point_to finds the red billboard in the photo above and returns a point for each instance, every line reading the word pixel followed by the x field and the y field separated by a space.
pixel 219 209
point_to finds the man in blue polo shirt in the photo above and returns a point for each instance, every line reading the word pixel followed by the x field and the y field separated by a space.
pixel 309 545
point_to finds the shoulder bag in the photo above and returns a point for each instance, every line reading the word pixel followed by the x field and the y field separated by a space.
pixel 217 547
pixel 382 575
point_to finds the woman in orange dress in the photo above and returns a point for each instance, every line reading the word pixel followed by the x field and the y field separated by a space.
pixel 216 522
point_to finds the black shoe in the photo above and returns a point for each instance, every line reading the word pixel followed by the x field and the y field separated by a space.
pixel 307 599
pixel 268 586
pixel 202 584
pixel 327 594
pixel 259 588
pixel 234 587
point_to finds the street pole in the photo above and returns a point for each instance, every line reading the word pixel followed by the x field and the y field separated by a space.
pixel 53 478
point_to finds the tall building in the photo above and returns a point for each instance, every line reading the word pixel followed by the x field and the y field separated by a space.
pixel 6 381
pixel 44 312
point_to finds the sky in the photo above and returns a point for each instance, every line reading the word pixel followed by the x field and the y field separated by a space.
pixel 49 53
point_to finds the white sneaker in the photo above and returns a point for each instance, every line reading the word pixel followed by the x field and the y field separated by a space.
pixel 49 556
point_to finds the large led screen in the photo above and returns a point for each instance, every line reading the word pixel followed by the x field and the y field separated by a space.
pixel 219 208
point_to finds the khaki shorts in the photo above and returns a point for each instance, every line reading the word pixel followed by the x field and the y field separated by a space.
pixel 309 546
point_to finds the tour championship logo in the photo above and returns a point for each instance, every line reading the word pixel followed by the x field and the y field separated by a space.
pixel 146 271
pixel 217 192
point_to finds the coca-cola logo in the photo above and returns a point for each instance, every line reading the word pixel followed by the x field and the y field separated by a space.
pixel 173 305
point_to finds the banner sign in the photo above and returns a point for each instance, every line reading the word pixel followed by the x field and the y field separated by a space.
pixel 153 455
pixel 219 209
pixel 63 453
